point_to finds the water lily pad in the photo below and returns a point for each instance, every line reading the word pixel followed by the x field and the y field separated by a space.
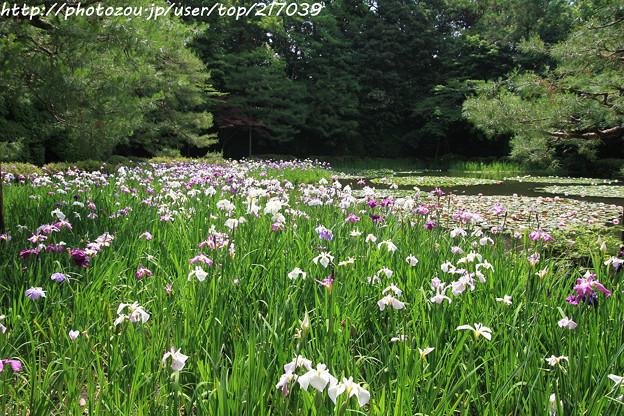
pixel 519 212
pixel 528 213
pixel 438 181
pixel 561 180
pixel 362 173
pixel 603 191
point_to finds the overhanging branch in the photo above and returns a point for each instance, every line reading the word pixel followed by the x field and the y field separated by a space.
pixel 610 133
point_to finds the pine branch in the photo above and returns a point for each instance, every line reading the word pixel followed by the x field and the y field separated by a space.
pixel 613 23
pixel 610 133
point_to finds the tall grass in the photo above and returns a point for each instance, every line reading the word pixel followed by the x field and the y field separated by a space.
pixel 503 167
pixel 239 325
pixel 378 164
pixel 496 167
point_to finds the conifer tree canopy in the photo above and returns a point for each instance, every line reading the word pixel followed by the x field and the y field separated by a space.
pixel 577 105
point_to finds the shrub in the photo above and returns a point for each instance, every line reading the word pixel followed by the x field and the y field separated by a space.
pixel 18 168
pixel 89 165
pixel 169 153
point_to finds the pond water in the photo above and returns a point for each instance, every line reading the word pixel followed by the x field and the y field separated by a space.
pixel 527 204
pixel 525 189
pixel 523 186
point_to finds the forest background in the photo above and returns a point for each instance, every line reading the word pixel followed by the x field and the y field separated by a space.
pixel 535 81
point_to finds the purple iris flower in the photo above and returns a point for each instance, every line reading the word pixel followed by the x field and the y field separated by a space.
pixel 352 218
pixel 142 272
pixel 422 210
pixel 80 257
pixel 430 224
pixel 169 288
pixel 52 247
pixel 326 234
pixel 540 234
pixel 437 191
pixel 27 253
pixel 328 282
pixel 620 255
pixel 59 277
pixel 35 293
pixel 497 209
pixel 15 364
pixel 586 290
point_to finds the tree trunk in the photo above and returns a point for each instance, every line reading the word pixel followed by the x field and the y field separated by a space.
pixel 250 128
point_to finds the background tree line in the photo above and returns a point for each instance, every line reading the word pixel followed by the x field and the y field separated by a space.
pixel 540 79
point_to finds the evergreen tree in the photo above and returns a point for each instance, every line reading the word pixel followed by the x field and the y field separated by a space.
pixel 318 51
pixel 267 101
pixel 577 105
pixel 397 48
pixel 90 83
pixel 260 104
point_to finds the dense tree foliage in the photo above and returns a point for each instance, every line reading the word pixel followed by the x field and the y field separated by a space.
pixel 578 104
pixel 383 78
pixel 75 88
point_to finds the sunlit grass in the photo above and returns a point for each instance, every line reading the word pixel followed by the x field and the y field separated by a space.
pixel 495 167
